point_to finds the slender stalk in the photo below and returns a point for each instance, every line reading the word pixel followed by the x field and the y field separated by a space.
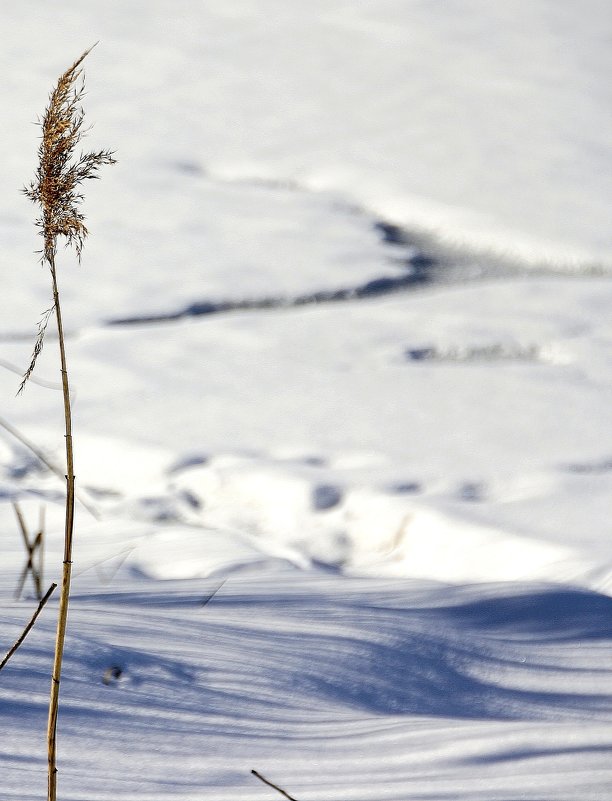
pixel 31 548
pixel 26 541
pixel 271 784
pixel 67 563
pixel 40 537
pixel 56 189
pixel 26 630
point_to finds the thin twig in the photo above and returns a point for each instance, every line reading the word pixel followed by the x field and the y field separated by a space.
pixel 271 784
pixel 26 631
pixel 22 525
pixel 31 548
pixel 36 573
pixel 41 544
pixel 21 583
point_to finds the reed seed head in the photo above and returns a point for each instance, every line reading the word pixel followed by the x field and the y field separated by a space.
pixel 60 173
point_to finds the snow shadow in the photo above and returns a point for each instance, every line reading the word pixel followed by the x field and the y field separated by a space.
pixel 256 657
pixel 558 614
pixel 512 755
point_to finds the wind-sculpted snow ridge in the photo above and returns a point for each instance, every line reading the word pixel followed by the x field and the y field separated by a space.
pixel 417 273
pixel 235 246
pixel 413 267
pixel 417 270
pixel 284 246
pixel 338 688
pixel 403 266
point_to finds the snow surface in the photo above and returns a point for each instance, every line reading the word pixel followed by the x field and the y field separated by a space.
pixel 340 350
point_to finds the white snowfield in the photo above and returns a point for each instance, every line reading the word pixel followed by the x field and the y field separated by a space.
pixel 340 351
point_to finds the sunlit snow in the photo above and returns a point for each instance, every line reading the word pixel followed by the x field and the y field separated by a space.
pixel 340 349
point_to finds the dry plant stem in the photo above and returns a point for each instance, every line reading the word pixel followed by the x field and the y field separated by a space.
pixel 271 784
pixel 67 564
pixel 56 188
pixel 29 566
pixel 26 541
pixel 41 544
pixel 26 631
pixel 31 548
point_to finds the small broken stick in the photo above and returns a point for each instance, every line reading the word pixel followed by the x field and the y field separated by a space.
pixel 271 784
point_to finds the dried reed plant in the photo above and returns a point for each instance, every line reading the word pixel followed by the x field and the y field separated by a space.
pixel 33 548
pixel 56 189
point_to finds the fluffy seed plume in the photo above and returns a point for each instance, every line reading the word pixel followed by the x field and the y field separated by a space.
pixel 59 175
